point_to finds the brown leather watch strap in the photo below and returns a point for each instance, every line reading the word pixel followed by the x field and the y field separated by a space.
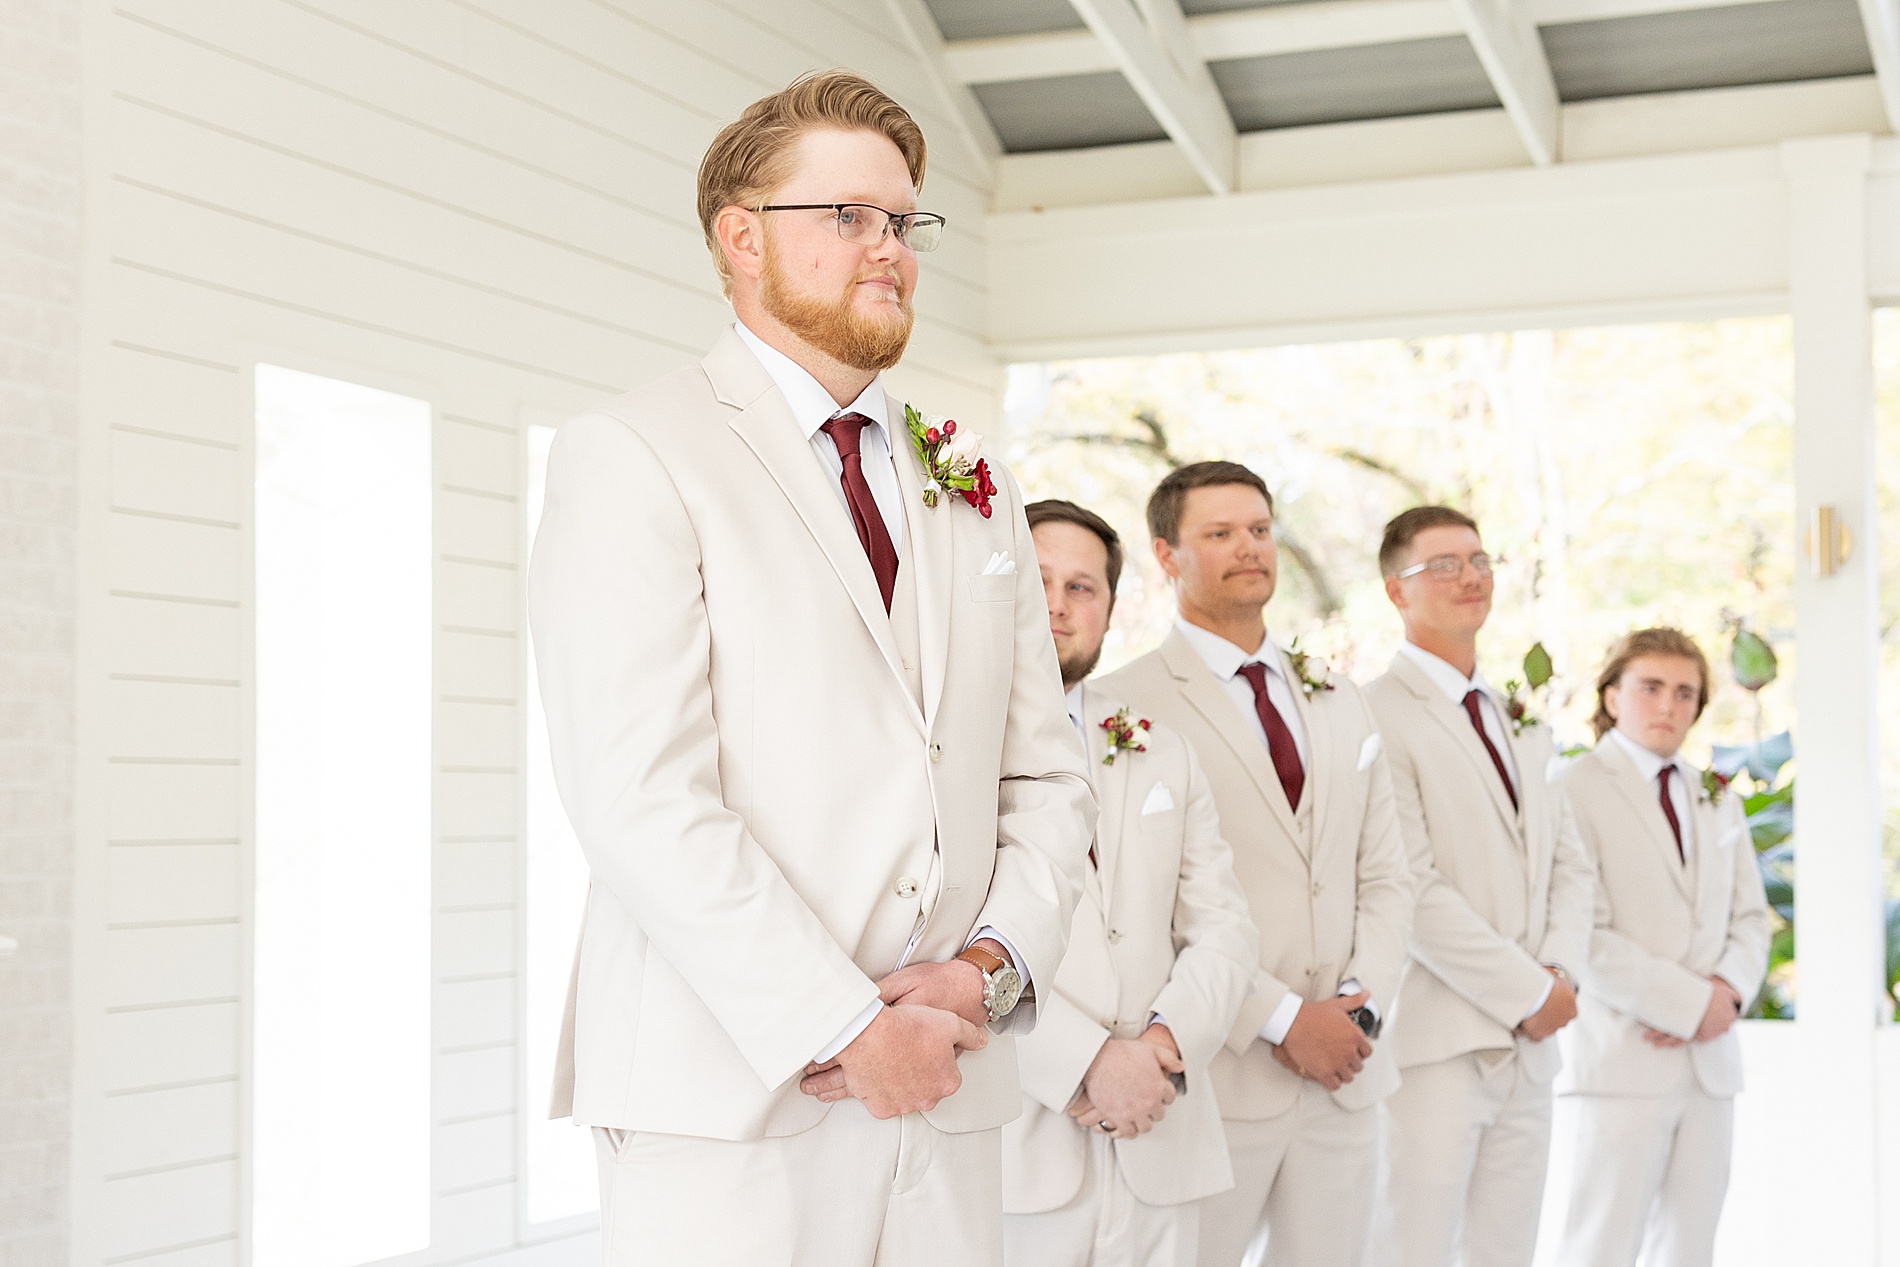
pixel 983 959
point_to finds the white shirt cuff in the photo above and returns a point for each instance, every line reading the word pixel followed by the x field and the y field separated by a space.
pixel 845 1036
pixel 1016 960
pixel 1542 998
pixel 1275 1030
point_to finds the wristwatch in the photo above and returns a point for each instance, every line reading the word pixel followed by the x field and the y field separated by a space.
pixel 1368 1021
pixel 1002 984
pixel 1564 977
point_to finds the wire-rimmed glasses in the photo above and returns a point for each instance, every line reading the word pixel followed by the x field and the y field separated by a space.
pixel 862 224
pixel 1449 567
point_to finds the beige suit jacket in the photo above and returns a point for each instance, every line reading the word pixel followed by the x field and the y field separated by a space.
pixel 1663 929
pixel 769 816
pixel 1162 928
pixel 1500 891
pixel 1328 886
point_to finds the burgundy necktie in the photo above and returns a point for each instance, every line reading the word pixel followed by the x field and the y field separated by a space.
pixel 1669 811
pixel 1477 723
pixel 844 431
pixel 1280 745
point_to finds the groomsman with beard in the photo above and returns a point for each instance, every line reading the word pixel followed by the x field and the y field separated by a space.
pixel 1505 894
pixel 1120 1134
pixel 807 722
pixel 1680 946
pixel 1306 801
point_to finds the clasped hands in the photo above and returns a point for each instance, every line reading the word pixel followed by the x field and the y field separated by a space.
pixel 1724 1009
pixel 1127 1088
pixel 1324 1043
pixel 905 1061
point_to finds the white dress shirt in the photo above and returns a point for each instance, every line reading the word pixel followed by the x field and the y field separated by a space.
pixel 1649 765
pixel 1074 700
pixel 812 407
pixel 1223 659
pixel 1456 686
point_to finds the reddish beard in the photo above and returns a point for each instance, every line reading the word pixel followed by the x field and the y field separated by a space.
pixel 836 329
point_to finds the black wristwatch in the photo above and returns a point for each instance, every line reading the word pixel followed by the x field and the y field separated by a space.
pixel 1367 1020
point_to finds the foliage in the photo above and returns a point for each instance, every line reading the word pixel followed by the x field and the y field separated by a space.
pixel 1769 808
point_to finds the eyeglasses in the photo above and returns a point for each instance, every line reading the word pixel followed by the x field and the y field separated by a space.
pixel 1449 567
pixel 861 224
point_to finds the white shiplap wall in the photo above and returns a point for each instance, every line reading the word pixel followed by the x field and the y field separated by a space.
pixel 482 203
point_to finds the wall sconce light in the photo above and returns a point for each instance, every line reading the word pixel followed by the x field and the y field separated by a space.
pixel 1830 544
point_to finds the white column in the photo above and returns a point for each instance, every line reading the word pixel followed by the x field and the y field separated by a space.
pixel 1838 933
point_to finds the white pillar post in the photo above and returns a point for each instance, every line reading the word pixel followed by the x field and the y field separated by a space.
pixel 1838 930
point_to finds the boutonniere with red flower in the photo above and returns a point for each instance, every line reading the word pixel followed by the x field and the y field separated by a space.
pixel 1714 785
pixel 953 460
pixel 1126 733
pixel 1315 674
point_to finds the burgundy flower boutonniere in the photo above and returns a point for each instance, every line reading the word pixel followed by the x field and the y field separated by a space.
pixel 1125 734
pixel 1714 785
pixel 952 458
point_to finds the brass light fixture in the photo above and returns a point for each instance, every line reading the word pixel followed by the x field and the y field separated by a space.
pixel 1830 544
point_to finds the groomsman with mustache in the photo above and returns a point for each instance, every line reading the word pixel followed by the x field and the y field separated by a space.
pixel 1502 929
pixel 1120 1134
pixel 1680 946
pixel 1306 800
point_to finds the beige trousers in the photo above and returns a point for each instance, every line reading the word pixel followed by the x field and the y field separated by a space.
pixel 1650 1176
pixel 1307 1175
pixel 850 1192
pixel 1104 1225
pixel 1466 1143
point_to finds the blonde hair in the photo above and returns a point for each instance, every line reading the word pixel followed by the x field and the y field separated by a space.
pixel 752 155
pixel 1658 642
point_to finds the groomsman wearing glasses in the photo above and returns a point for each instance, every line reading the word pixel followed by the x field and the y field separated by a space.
pixel 1306 800
pixel 1120 1135
pixel 1505 895
pixel 1680 945
pixel 812 745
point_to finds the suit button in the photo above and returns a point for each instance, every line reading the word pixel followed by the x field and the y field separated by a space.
pixel 905 886
pixel 1114 935
pixel 936 753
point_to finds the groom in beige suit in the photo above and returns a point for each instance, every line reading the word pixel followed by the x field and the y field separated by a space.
pixel 1306 801
pixel 1505 894
pixel 1653 1063
pixel 1107 1163
pixel 809 729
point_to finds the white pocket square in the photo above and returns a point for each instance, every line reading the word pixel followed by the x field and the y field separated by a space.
pixel 1159 801
pixel 1000 564
pixel 1369 751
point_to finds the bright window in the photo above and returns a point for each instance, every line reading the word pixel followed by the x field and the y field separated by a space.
pixel 342 1040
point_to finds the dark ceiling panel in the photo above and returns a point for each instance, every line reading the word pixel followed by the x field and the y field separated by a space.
pixel 1192 7
pixel 1068 113
pixel 1376 81
pixel 985 19
pixel 1775 42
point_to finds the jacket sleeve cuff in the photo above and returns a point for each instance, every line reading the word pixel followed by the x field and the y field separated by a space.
pixel 849 1033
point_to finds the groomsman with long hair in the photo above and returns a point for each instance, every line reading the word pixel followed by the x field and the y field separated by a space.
pixel 1120 1134
pixel 1680 946
pixel 1502 928
pixel 1305 798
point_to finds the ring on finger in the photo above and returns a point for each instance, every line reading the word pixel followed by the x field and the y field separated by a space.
pixel 1106 1128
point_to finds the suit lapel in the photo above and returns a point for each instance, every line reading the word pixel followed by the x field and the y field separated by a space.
pixel 1456 724
pixel 1645 803
pixel 933 558
pixel 1204 694
pixel 765 423
pixel 1111 790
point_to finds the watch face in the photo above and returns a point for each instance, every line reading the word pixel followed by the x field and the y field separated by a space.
pixel 1365 1020
pixel 1006 987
